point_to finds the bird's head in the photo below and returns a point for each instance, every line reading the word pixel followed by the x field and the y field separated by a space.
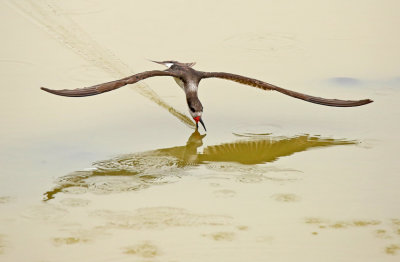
pixel 196 110
pixel 170 63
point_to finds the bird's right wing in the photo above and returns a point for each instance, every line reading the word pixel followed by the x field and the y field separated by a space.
pixel 267 86
pixel 109 86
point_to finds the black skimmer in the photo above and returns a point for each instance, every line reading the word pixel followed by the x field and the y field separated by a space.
pixel 188 79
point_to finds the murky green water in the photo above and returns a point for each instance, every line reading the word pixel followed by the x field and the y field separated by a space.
pixel 124 177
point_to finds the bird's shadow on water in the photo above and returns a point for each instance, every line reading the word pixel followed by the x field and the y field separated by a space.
pixel 132 172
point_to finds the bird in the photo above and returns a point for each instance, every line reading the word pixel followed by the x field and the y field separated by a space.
pixel 188 79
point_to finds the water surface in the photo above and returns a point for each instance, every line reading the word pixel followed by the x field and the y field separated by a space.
pixel 123 176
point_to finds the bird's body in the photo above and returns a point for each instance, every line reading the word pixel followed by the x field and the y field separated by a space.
pixel 188 79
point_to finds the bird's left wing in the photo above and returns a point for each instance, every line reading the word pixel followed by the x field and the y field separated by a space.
pixel 267 86
pixel 109 86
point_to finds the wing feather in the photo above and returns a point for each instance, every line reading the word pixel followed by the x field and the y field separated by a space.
pixel 267 86
pixel 109 86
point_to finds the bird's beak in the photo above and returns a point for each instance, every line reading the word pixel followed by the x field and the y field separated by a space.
pixel 198 119
pixel 202 123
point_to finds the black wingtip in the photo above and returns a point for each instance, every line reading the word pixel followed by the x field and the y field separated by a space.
pixel 49 90
pixel 364 102
pixel 45 89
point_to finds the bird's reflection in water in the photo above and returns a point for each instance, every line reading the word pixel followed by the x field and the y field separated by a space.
pixel 141 170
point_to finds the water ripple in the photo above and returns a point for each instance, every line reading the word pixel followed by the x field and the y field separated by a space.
pixel 243 160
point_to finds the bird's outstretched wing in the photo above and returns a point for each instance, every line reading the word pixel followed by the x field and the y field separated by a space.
pixel 109 86
pixel 266 86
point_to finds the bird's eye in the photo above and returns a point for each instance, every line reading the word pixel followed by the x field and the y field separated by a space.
pixel 191 109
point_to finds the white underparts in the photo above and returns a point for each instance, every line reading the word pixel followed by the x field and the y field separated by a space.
pixel 179 82
pixel 191 87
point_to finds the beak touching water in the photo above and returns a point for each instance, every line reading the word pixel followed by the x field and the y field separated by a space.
pixel 198 119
